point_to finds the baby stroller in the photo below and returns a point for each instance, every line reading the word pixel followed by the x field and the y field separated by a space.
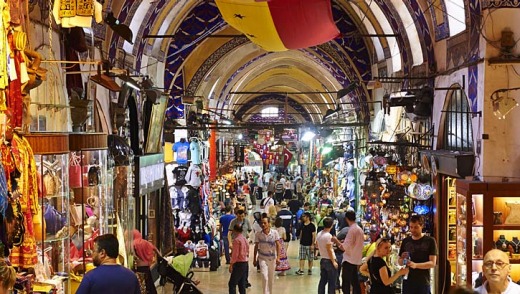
pixel 179 273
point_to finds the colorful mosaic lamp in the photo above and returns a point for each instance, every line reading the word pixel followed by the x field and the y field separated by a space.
pixel 280 25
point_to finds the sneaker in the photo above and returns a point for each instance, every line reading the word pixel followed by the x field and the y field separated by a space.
pixel 309 272
pixel 299 272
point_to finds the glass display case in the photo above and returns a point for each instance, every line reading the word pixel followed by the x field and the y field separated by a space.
pixel 504 219
pixel 51 229
pixel 470 230
pixel 485 220
pixel 92 209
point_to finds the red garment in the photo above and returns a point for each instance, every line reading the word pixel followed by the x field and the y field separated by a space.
pixel 182 235
pixel 245 189
pixel 240 251
pixel 143 248
pixel 14 99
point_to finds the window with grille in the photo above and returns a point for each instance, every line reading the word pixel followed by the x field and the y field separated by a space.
pixel 458 132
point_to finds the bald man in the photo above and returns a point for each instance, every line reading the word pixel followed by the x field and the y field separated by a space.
pixel 496 269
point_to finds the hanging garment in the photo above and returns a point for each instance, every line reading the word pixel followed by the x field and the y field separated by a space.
pixel 179 174
pixel 77 13
pixel 193 176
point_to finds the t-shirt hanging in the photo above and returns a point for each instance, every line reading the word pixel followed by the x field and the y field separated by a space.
pixel 180 175
pixel 193 176
pixel 195 152
pixel 181 149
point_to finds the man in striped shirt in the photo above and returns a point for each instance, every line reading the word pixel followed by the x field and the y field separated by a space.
pixel 267 253
pixel 239 262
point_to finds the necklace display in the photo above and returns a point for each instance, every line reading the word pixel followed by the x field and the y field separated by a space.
pixel 502 243
pixel 516 245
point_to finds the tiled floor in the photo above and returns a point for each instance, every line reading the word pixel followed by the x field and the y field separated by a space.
pixel 217 282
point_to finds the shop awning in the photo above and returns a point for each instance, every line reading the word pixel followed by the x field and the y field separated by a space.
pixel 279 25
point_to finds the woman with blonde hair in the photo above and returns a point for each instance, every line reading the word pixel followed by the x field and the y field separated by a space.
pixel 376 268
pixel 7 277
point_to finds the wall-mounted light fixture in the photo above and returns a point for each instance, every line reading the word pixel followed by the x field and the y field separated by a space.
pixel 120 29
pixel 503 103
pixel 331 112
pixel 344 92
pixel 130 82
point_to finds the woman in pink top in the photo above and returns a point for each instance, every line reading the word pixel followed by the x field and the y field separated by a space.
pixel 144 256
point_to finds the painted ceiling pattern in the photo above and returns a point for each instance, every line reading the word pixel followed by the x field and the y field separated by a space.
pixel 347 59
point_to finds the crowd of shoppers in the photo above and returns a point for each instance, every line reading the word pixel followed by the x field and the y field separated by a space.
pixel 351 259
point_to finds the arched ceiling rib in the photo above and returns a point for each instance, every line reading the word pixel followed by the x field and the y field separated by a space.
pixel 234 64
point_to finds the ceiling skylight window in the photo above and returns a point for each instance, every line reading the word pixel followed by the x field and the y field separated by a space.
pixel 411 31
pixel 270 112
pixel 456 16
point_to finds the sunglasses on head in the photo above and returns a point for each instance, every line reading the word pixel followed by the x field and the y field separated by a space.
pixel 383 240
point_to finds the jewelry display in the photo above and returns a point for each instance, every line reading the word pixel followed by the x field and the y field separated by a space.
pixel 502 243
pixel 514 213
pixel 515 243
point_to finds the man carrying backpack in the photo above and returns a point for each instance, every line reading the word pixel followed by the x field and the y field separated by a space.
pixel 267 201
pixel 279 190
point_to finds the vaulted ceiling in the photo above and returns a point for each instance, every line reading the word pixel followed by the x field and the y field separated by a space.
pixel 378 38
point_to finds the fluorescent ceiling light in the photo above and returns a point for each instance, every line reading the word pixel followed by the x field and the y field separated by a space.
pixel 308 135
pixel 226 121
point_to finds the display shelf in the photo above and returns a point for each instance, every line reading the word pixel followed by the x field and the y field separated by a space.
pixel 506 227
pixel 90 194
pixel 51 157
pixel 53 239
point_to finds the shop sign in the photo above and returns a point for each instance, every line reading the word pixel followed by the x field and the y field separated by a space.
pixel 151 177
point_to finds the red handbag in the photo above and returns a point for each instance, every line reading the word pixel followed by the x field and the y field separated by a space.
pixel 75 174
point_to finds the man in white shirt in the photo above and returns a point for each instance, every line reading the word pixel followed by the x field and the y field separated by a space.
pixel 267 254
pixel 496 269
pixel 328 264
pixel 267 177
pixel 266 202
pixel 352 248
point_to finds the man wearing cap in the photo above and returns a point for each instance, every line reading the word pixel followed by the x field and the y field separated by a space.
pixel 286 215
pixel 307 241
pixel 239 259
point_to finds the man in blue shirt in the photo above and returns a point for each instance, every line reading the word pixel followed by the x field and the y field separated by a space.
pixel 225 220
pixel 108 277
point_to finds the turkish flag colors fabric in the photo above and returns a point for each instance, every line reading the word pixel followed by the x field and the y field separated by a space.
pixel 287 157
pixel 280 25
